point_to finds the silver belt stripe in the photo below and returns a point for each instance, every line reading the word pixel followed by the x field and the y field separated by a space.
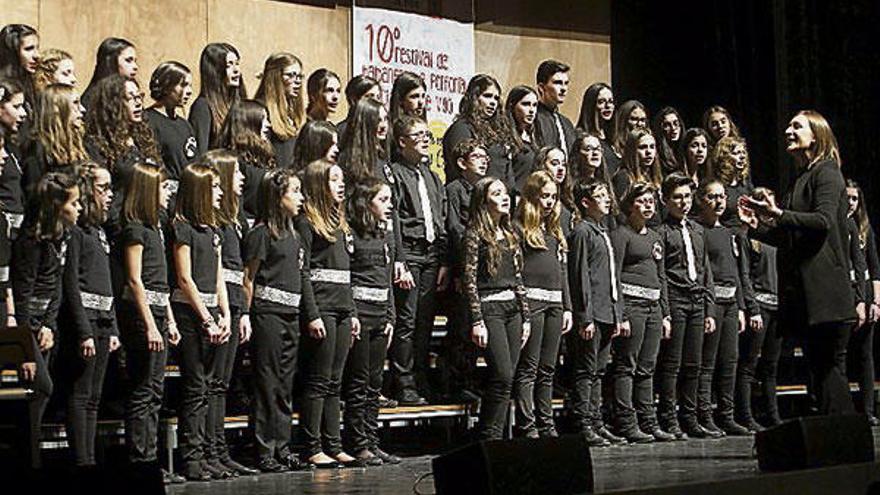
pixel 724 292
pixel 4 274
pixel 505 295
pixel 15 219
pixel 640 292
pixel 233 276
pixel 96 301
pixel 154 298
pixel 544 295
pixel 331 276
pixel 38 304
pixel 370 294
pixel 277 296
pixel 209 300
pixel 852 275
pixel 767 298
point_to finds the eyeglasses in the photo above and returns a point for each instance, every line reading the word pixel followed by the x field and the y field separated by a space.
pixel 135 96
pixel 420 136
pixel 478 157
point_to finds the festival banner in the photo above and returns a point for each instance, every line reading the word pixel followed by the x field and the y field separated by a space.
pixel 386 43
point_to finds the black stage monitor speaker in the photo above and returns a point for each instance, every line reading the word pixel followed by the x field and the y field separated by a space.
pixel 512 467
pixel 814 442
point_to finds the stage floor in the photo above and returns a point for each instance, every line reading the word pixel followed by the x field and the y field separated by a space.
pixel 615 469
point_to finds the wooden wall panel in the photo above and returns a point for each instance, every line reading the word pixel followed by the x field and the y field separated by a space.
pixel 320 37
pixel 513 59
pixel 20 12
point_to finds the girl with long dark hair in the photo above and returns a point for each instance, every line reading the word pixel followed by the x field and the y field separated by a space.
pixel 408 97
pixel 597 117
pixel 324 89
pixel 221 86
pixel 628 117
pixel 171 89
pixel 358 87
pixel 317 140
pixel 12 116
pixel 273 282
pixel 499 310
pixel 330 314
pixel 115 57
pixel 364 148
pixel 280 91
pixel 640 164
pixel 694 152
pixel 20 56
pixel 545 275
pixel 90 333
pixel 668 126
pixel 481 117
pixel 521 108
pixel 246 132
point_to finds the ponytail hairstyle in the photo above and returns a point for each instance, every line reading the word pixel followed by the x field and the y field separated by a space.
pixel 359 214
pixel 52 191
pixel 194 203
pixel 93 214
pixel 242 133
pixel 361 148
pixel 484 227
pixel 320 209
pixel 621 123
pixel 215 88
pixel 631 160
pixel 286 112
pixel 106 63
pixel 530 215
pixel 109 127
pixel 141 202
pixel 316 85
pixel 490 130
pixel 165 78
pixel 12 37
pixel 50 61
pixel 225 164
pixel 270 212
pixel 8 90
pixel 53 125
pixel 314 141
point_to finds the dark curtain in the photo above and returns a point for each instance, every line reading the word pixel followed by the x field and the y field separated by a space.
pixel 763 61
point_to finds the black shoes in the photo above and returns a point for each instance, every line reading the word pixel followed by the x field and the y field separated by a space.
pixel 593 439
pixel 708 424
pixel 734 429
pixel 695 430
pixel 270 465
pixel 663 436
pixel 611 437
pixel 635 435
pixel 172 478
pixel 410 398
pixel 386 457
pixel 386 403
pixel 238 468
pixel 369 458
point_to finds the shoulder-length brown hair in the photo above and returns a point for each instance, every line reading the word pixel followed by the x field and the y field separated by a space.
pixel 530 214
pixel 225 163
pixel 321 210
pixel 53 190
pixel 53 125
pixel 241 133
pixel 270 212
pixel 825 147
pixel 195 197
pixel 286 113
pixel 631 160
pixel 92 214
pixel 142 194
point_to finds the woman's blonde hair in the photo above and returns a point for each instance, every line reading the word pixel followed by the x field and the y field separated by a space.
pixel 825 146
pixel 49 61
pixel 53 125
pixel 530 215
pixel 723 163
pixel 286 114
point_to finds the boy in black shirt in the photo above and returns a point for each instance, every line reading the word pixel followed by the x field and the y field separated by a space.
pixel 551 127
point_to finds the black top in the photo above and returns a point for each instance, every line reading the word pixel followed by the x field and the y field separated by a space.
pixel 11 193
pixel 730 266
pixel 87 273
pixel 36 280
pixel 280 263
pixel 176 140
pixel 458 193
pixel 523 163
pixel 232 261
pixel 620 183
pixel 35 163
pixel 284 150
pixel 639 256
pixel 547 268
pixel 204 246
pixel 154 267
pixel 677 281
pixel 730 218
pixel 250 199
pixel 873 261
pixel 589 276
pixel 5 256
pixel 547 132
pixel 120 173
pixel 371 267
pixel 202 124
pixel 409 207
pixel 500 165
pixel 762 271
pixel 479 283
pixel 857 261
pixel 321 255
pixel 612 161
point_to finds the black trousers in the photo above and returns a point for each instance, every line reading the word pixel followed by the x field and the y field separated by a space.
pixel 416 309
pixel 632 366
pixel 146 373
pixel 718 365
pixel 533 381
pixel 503 321
pixel 274 348
pixel 224 362
pixel 459 352
pixel 589 359
pixel 323 363
pixel 362 381
pixel 199 372
pixel 825 350
pixel 860 357
pixel 84 383
pixel 758 363
pixel 678 364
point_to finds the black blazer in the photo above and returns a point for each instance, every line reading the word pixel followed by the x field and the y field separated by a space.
pixel 814 261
